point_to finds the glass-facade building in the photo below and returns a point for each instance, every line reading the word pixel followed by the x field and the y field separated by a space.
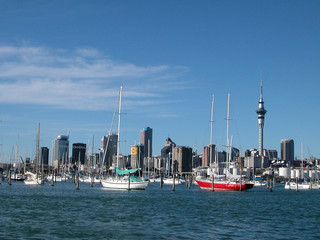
pixel 79 152
pixel 60 149
pixel 146 142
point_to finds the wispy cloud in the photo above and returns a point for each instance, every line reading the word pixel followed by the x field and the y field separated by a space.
pixel 80 79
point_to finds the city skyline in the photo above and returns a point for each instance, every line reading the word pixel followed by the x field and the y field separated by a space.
pixel 61 64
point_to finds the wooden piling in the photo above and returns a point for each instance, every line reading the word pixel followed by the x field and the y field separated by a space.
pixel 52 180
pixel 9 178
pixel 174 183
pixel 212 183
pixel 77 181
pixel 92 179
pixel 129 182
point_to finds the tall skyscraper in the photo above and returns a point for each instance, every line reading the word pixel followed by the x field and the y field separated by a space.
pixel 111 140
pixel 287 149
pixel 261 112
pixel 44 155
pixel 79 152
pixel 146 142
pixel 60 150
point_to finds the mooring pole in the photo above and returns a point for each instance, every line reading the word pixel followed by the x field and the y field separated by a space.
pixel 129 182
pixel 174 183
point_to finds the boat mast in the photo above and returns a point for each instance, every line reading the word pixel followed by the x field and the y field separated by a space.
pixel 38 150
pixel 302 170
pixel 211 123
pixel 118 144
pixel 228 118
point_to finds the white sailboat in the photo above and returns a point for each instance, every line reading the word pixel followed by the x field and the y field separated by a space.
pixel 33 178
pixel 126 182
pixel 301 186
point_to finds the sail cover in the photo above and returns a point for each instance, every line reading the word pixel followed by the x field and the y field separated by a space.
pixel 121 172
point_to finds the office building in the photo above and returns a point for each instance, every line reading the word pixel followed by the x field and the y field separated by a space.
pixel 287 149
pixel 79 153
pixel 182 159
pixel 44 155
pixel 60 150
pixel 136 158
pixel 108 149
pixel 146 142
pixel 208 155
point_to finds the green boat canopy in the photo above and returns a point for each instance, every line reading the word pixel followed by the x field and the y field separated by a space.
pixel 122 172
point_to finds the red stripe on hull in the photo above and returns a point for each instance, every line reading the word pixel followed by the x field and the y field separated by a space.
pixel 228 186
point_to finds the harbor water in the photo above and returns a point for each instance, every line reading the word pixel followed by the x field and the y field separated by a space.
pixel 62 212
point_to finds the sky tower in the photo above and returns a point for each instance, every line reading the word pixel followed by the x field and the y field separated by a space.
pixel 261 112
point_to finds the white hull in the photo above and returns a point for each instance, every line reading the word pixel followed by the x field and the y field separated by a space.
pixel 57 179
pixel 32 182
pixel 32 179
pixel 170 181
pixel 123 184
pixel 259 184
pixel 301 186
pixel 88 180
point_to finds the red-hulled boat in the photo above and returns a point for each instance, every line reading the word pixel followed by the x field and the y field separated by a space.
pixel 224 185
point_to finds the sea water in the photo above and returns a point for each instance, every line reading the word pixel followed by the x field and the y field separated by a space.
pixel 62 212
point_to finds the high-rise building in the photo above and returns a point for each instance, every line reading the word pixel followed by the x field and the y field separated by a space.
pixel 79 152
pixel 271 154
pixel 44 155
pixel 166 154
pixel 287 149
pixel 111 150
pixel 261 112
pixel 167 149
pixel 146 142
pixel 60 150
pixel 208 155
pixel 136 158
pixel 182 159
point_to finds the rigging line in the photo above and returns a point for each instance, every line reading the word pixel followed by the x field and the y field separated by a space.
pixel 110 131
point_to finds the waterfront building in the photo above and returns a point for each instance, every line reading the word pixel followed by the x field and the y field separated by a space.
pixel 60 150
pixel 111 140
pixel 166 153
pixel 93 160
pixel 196 159
pixel 252 159
pixel 44 155
pixel 79 153
pixel 146 142
pixel 208 155
pixel 287 149
pixel 167 149
pixel 136 157
pixel 271 154
pixel 235 154
pixel 253 162
pixel 182 159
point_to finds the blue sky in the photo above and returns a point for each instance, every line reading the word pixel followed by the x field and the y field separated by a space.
pixel 62 63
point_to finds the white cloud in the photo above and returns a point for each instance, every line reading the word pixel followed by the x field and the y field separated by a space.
pixel 83 79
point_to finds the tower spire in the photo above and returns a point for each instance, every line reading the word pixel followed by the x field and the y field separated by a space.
pixel 261 88
pixel 261 112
